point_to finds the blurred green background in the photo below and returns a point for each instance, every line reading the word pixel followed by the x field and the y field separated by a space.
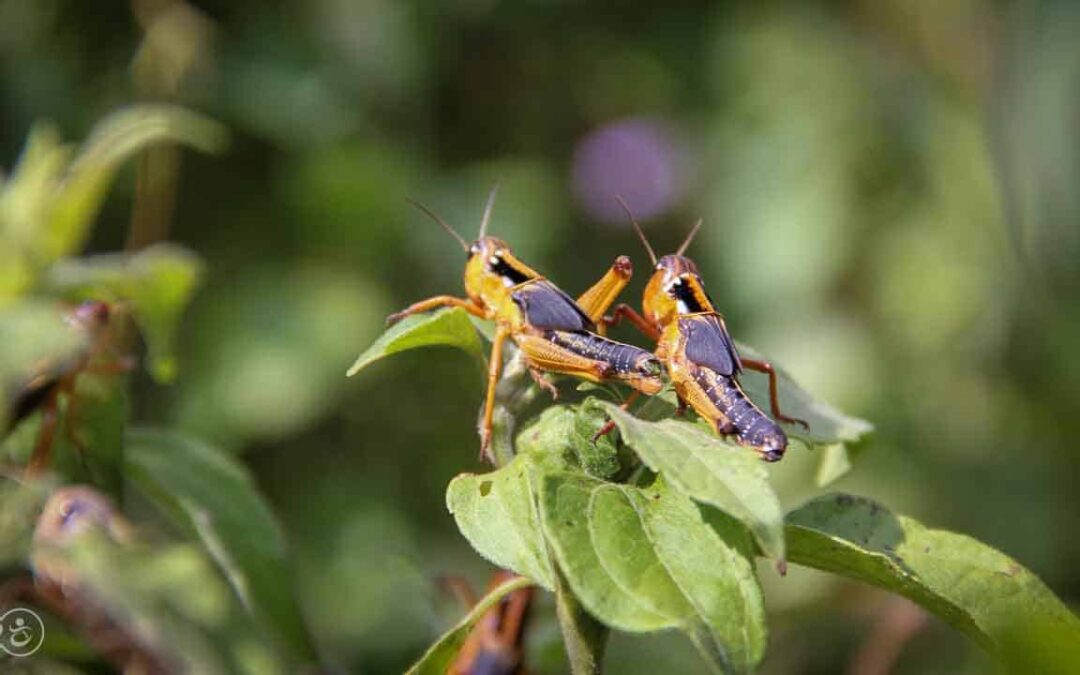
pixel 891 204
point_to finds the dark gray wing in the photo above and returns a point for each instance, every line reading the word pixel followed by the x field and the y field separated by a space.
pixel 547 308
pixel 708 344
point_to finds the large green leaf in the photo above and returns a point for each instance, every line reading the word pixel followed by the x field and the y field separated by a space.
pixel 450 327
pixel 977 589
pixel 497 513
pixel 158 282
pixel 711 470
pixel 643 559
pixel 440 656
pixel 215 497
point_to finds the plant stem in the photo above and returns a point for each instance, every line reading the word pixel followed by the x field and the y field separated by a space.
pixel 584 636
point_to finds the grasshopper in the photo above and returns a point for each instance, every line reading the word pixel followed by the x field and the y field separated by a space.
pixel 496 644
pixel 553 332
pixel 693 342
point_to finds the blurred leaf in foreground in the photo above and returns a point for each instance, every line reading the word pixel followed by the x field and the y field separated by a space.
pixel 34 337
pixel 48 203
pixel 158 282
pixel 214 497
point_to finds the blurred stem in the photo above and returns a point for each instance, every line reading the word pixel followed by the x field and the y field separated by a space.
pixel 585 637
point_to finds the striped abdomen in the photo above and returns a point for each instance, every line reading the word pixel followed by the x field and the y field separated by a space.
pixel 750 425
pixel 626 362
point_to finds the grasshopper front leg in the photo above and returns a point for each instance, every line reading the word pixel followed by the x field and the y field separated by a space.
pixel 494 366
pixel 630 314
pixel 438 301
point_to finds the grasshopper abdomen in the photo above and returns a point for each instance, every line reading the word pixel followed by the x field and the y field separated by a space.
pixel 749 424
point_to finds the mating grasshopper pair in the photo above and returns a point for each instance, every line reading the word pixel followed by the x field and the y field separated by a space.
pixel 558 335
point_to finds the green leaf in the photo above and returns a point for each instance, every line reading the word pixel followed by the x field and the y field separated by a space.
pixel 169 599
pixel 599 458
pixel 20 504
pixel 644 560
pixel 497 513
pixel 450 327
pixel 977 589
pixel 584 638
pixel 215 498
pixel 833 464
pixel 76 199
pixel 158 282
pixel 48 204
pixel 35 340
pixel 827 424
pixel 711 470
pixel 440 656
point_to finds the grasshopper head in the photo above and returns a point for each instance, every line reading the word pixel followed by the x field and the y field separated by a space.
pixel 492 269
pixel 675 288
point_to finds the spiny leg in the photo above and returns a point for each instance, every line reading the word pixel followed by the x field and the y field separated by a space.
pixel 610 424
pixel 494 365
pixel 599 297
pixel 544 383
pixel 43 448
pixel 626 311
pixel 774 401
pixel 432 303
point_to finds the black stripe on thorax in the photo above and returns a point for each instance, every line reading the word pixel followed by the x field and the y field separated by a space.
pixel 508 271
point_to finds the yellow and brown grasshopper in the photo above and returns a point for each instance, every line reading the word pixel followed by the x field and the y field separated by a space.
pixel 693 342
pixel 553 332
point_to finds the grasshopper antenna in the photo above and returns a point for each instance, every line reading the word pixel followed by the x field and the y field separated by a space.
pixel 637 228
pixel 690 237
pixel 440 221
pixel 487 211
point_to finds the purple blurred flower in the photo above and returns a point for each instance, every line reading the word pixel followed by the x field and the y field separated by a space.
pixel 636 158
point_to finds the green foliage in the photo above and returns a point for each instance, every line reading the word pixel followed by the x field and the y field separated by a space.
pixel 643 559
pixel 665 537
pixel 711 471
pixel 440 656
pixel 219 599
pixel 213 496
pixel 449 327
pixel 977 589
pixel 497 512
pixel 158 282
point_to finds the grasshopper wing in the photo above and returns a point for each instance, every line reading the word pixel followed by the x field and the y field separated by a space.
pixel 548 308
pixel 709 344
